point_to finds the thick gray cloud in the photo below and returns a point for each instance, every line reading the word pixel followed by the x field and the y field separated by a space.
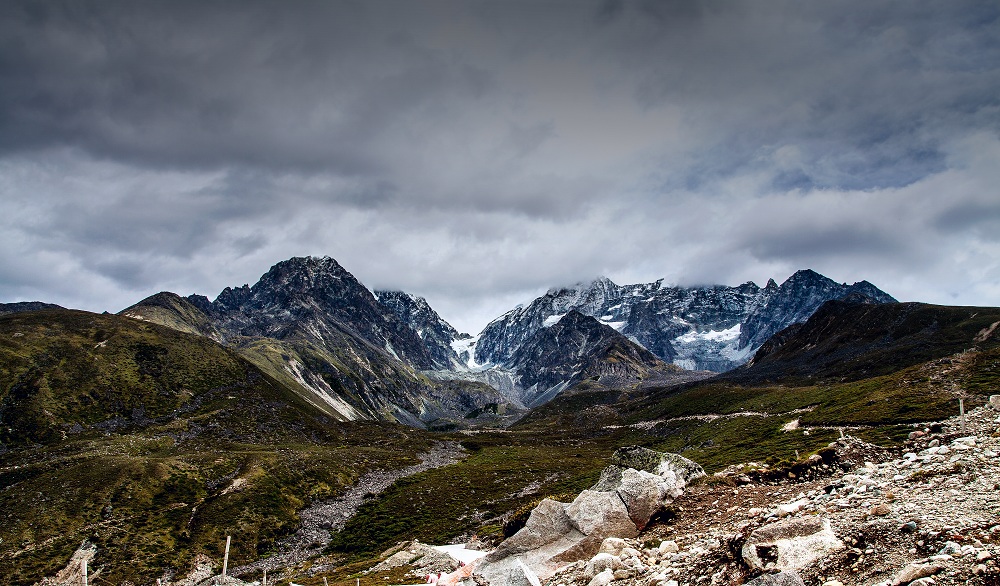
pixel 481 152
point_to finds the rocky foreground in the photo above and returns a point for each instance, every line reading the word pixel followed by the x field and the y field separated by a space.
pixel 854 514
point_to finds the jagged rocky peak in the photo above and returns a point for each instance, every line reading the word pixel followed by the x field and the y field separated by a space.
pixel 710 327
pixel 795 300
pixel 309 279
pixel 315 298
pixel 437 334
pixel 501 337
pixel 416 311
pixel 296 283
pixel 572 349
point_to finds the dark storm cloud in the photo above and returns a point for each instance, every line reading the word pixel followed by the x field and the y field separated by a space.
pixel 213 84
pixel 476 151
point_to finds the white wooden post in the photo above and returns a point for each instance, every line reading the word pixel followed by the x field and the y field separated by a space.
pixel 961 411
pixel 841 433
pixel 264 583
pixel 325 583
pixel 225 560
pixel 84 565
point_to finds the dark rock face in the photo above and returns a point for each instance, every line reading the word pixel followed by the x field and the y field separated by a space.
pixel 855 337
pixel 797 299
pixel 436 334
pixel 575 348
pixel 712 328
pixel 22 306
pixel 315 298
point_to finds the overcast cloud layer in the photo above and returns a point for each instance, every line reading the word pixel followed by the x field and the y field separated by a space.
pixel 480 152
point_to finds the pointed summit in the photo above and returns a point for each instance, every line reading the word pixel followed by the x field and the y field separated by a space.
pixel 315 297
pixel 806 277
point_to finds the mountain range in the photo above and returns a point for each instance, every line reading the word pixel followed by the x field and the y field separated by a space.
pixel 355 354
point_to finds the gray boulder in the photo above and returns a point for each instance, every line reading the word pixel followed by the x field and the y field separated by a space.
pixel 599 515
pixel 640 458
pixel 790 544
pixel 644 494
pixel 631 490
pixel 547 523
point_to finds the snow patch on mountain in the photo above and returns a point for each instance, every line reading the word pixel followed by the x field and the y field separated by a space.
pixel 552 320
pixel 696 337
pixel 465 349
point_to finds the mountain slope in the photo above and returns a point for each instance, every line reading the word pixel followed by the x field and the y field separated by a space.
pixel 172 310
pixel 712 327
pixel 22 306
pixel 72 372
pixel 153 444
pixel 311 325
pixel 436 333
pixel 854 338
pixel 575 348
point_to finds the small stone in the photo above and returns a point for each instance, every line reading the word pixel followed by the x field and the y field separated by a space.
pixel 779 579
pixel 934 443
pixel 613 545
pixel 909 527
pixel 669 547
pixel 928 581
pixel 602 579
pixel 914 572
pixel 623 574
pixel 601 562
pixel 983 555
pixel 880 510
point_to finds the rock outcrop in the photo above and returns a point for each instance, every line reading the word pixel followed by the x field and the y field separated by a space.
pixel 632 490
pixel 790 544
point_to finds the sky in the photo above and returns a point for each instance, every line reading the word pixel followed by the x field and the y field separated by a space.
pixel 479 152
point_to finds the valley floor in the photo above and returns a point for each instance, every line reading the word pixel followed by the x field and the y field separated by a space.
pixel 930 511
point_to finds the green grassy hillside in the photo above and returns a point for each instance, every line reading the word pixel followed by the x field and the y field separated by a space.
pixel 155 444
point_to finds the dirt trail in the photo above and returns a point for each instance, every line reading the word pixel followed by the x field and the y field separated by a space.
pixel 322 518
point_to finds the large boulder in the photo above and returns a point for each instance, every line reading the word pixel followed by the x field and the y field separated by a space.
pixel 630 492
pixel 547 523
pixel 640 458
pixel 790 544
pixel 644 494
pixel 599 515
